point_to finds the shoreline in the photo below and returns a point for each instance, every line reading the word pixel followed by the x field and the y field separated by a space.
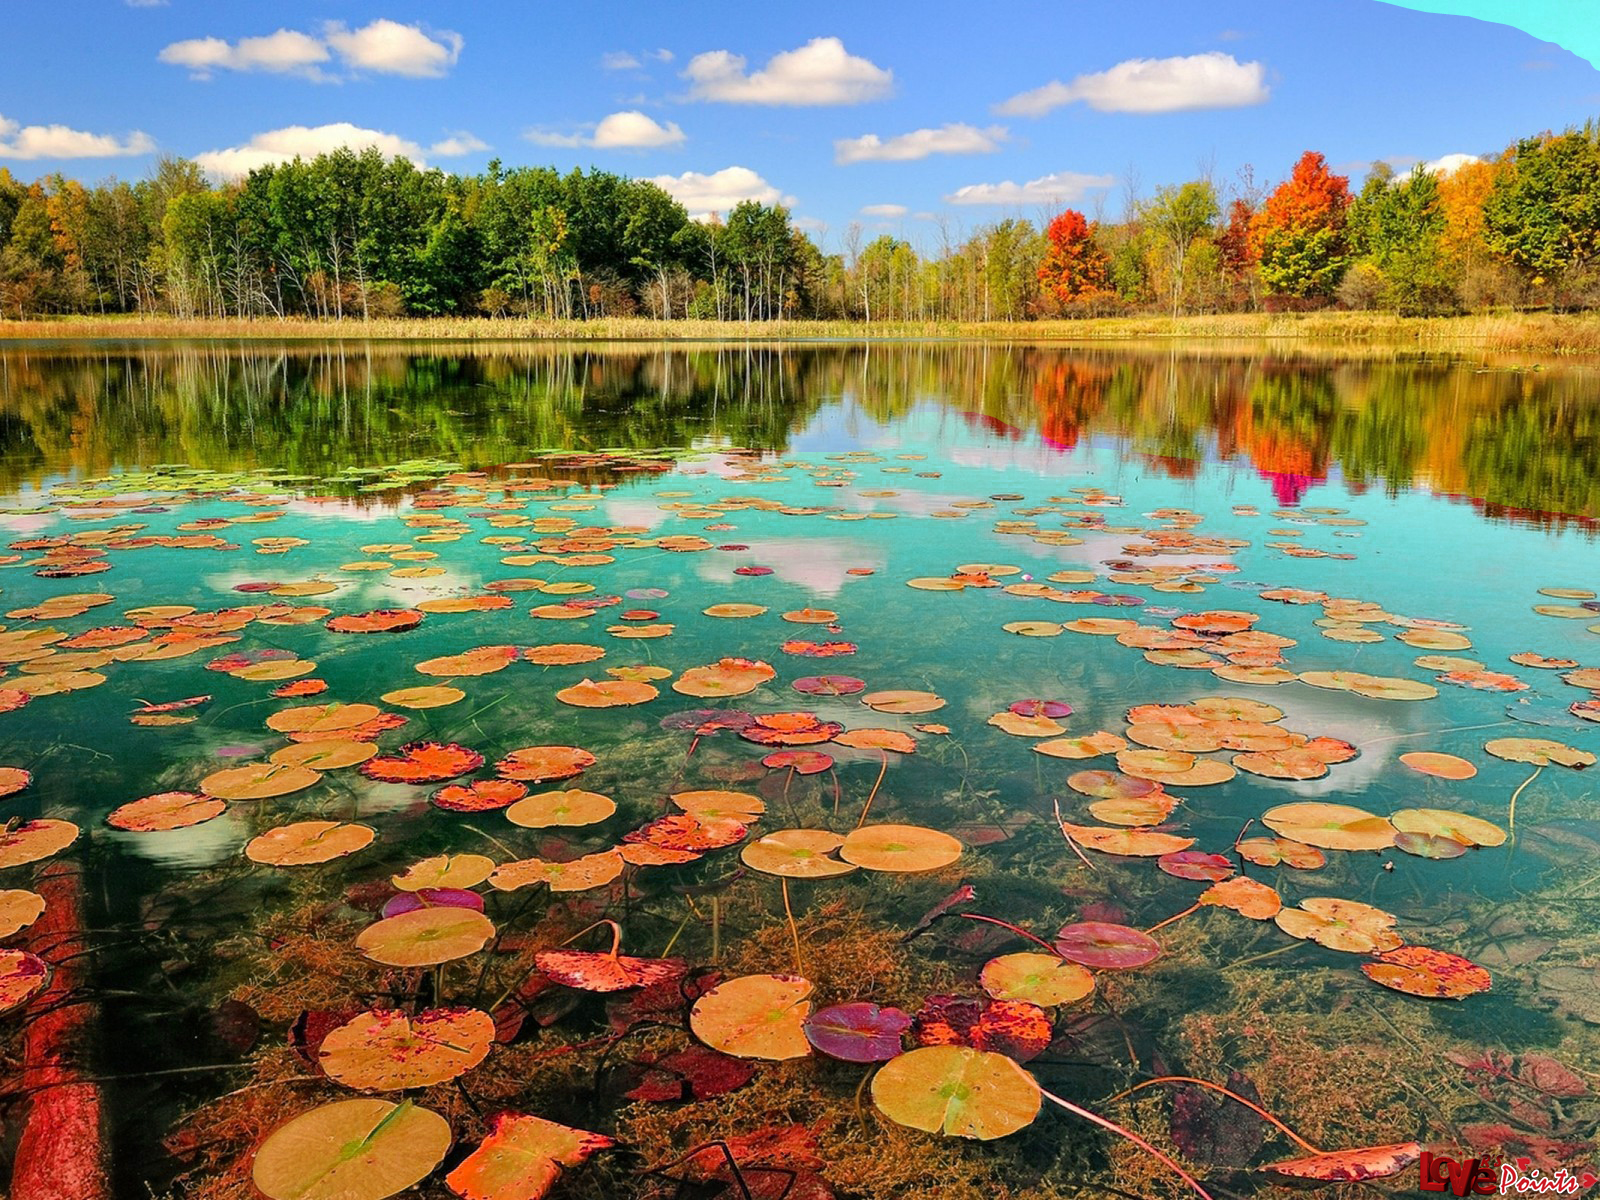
pixel 1556 334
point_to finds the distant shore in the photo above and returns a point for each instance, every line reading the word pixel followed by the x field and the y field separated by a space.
pixel 1543 333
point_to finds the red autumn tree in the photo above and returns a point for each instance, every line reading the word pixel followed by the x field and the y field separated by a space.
pixel 1298 236
pixel 1075 268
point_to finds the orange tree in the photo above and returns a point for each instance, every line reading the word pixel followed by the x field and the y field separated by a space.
pixel 1075 268
pixel 1298 237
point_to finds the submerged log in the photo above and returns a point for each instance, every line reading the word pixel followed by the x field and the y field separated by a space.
pixel 61 1154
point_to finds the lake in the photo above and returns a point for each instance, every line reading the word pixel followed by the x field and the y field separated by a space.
pixel 1259 685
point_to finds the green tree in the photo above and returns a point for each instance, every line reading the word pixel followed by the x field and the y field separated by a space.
pixel 1396 227
pixel 1178 217
pixel 1543 212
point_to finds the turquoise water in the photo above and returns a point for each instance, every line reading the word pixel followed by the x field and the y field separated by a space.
pixel 1457 491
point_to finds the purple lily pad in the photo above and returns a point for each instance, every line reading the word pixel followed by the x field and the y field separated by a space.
pixel 646 593
pixel 433 898
pixel 733 546
pixel 1111 947
pixel 859 1032
pixel 1119 600
pixel 829 685
pixel 263 586
pixel 1042 708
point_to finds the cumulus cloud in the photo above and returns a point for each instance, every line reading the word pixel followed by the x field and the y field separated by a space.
pixel 821 72
pixel 708 195
pixel 383 46
pixel 1152 85
pixel 301 141
pixel 884 210
pixel 391 48
pixel 920 143
pixel 1062 187
pixel 1449 164
pixel 283 52
pixel 634 130
pixel 58 141
pixel 631 130
pixel 619 60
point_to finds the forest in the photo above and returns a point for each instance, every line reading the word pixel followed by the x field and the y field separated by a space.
pixel 356 236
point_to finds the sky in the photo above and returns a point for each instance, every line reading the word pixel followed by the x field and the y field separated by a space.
pixel 921 120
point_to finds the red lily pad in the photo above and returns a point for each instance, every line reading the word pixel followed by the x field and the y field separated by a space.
pixel 1104 945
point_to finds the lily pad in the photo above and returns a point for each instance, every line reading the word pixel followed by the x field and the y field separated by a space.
pixel 351 1150
pixel 957 1091
pixel 858 1032
pixel 755 1016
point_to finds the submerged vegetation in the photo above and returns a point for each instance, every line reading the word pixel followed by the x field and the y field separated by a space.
pixel 827 772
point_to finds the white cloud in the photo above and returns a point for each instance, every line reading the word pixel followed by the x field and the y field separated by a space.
pixel 458 144
pixel 383 46
pixel 284 51
pixel 58 141
pixel 810 224
pixel 634 130
pixel 145 3
pixel 1449 164
pixel 818 73
pixel 907 147
pixel 884 210
pixel 1152 85
pixel 662 56
pixel 1063 187
pixel 300 141
pixel 619 60
pixel 395 49
pixel 631 130
pixel 704 195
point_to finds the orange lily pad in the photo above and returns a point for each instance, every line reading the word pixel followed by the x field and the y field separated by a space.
pixel 521 1158
pixel 899 848
pixel 351 1150
pixel 307 843
pixel 385 1051
pixel 755 1016
pixel 1330 826
pixel 1434 974
pixel 1347 925
pixel 165 810
pixel 425 937
pixel 957 1091
pixel 572 807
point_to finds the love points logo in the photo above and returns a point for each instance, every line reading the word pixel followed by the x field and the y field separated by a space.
pixel 1494 1177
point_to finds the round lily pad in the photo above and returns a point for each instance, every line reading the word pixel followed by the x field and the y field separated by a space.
pixel 755 1016
pixel 351 1150
pixel 901 848
pixel 1106 946
pixel 1041 979
pixel 858 1032
pixel 957 1091
pixel 426 937
pixel 386 1051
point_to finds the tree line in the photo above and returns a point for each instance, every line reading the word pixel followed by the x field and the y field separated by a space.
pixel 352 235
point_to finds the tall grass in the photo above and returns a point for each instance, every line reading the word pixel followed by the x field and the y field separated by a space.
pixel 1510 332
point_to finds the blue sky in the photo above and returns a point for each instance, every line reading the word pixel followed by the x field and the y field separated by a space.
pixel 891 115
